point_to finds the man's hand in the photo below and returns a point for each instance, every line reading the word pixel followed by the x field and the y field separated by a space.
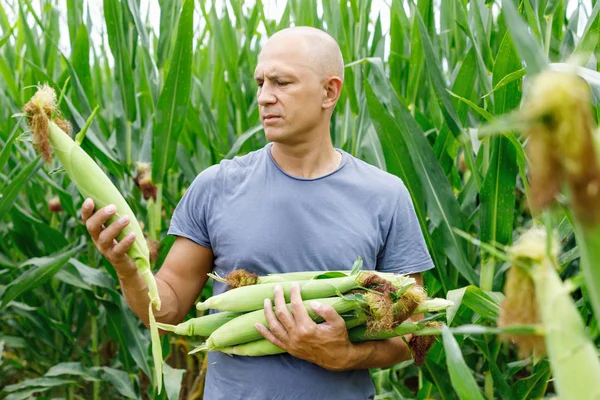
pixel 105 237
pixel 326 344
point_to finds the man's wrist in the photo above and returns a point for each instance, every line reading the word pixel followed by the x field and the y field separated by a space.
pixel 356 355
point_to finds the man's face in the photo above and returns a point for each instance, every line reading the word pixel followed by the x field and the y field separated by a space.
pixel 290 92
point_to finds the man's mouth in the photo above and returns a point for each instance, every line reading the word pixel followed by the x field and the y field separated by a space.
pixel 270 118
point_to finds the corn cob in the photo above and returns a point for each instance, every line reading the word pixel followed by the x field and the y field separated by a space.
pixel 263 347
pixel 572 354
pixel 201 326
pixel 87 176
pixel 241 329
pixel 241 277
pixel 357 331
pixel 563 149
pixel 52 132
pixel 250 298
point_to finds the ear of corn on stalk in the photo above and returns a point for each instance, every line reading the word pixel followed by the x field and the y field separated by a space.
pixel 563 149
pixel 572 354
pixel 49 131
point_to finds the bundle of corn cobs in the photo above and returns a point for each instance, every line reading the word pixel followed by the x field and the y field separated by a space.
pixel 374 305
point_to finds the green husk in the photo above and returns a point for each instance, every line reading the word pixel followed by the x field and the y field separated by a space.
pixel 201 326
pixel 573 356
pixel 250 298
pixel 241 329
pixel 50 131
pixel 357 323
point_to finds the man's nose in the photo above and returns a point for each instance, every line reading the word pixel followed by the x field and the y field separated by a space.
pixel 266 95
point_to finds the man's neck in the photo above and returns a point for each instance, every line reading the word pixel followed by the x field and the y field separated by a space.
pixel 307 160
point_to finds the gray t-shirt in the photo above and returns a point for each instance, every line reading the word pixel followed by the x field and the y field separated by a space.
pixel 255 216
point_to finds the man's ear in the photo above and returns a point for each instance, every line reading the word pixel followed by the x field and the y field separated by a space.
pixel 333 88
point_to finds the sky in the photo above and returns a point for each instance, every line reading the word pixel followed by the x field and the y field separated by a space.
pixel 273 9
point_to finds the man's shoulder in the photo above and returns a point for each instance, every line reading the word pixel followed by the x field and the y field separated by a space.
pixel 229 167
pixel 377 180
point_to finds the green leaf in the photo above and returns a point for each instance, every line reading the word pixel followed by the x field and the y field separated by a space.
pixel 10 191
pixel 168 20
pixel 239 142
pixel 527 46
pixel 172 105
pixel 25 394
pixel 534 386
pixel 94 277
pixel 120 380
pixel 43 269
pixel 5 152
pixel 122 326
pixel 13 341
pixel 437 79
pixel 120 50
pixel 37 382
pixel 475 299
pixel 73 368
pixel 461 376
pixel 442 206
pixel 497 195
pixel 80 60
pixel 173 379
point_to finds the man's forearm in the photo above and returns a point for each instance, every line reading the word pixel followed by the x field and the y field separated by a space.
pixel 378 354
pixel 135 291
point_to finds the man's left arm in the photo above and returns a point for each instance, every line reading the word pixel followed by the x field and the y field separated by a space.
pixel 327 344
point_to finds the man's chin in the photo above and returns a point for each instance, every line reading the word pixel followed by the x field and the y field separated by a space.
pixel 274 135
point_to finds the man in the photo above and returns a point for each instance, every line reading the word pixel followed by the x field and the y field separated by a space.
pixel 296 204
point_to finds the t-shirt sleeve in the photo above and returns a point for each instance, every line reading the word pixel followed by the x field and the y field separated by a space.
pixel 405 250
pixel 190 216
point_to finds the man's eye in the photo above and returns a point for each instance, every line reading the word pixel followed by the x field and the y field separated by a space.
pixel 283 83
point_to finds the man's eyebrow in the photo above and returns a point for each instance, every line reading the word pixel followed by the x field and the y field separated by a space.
pixel 271 76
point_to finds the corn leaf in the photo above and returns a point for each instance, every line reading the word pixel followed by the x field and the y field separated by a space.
pixel 11 190
pixel 460 374
pixel 37 382
pixel 120 51
pixel 475 299
pixel 43 269
pixel 528 48
pixel 173 380
pixel 172 105
pixel 120 380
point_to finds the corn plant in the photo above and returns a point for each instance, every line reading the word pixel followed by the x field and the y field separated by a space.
pixel 423 79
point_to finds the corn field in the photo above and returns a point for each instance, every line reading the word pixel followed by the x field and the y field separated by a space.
pixel 441 93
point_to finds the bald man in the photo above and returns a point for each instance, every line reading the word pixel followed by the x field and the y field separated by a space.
pixel 296 204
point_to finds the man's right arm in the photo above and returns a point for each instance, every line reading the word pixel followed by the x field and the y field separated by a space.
pixel 180 279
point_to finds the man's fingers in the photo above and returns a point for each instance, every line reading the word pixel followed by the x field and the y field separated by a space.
pixel 274 325
pixel 300 314
pixel 87 209
pixel 121 248
pixel 281 310
pixel 267 334
pixel 109 234
pixel 94 223
pixel 328 313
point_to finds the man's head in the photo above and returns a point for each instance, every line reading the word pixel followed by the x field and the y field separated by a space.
pixel 299 75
